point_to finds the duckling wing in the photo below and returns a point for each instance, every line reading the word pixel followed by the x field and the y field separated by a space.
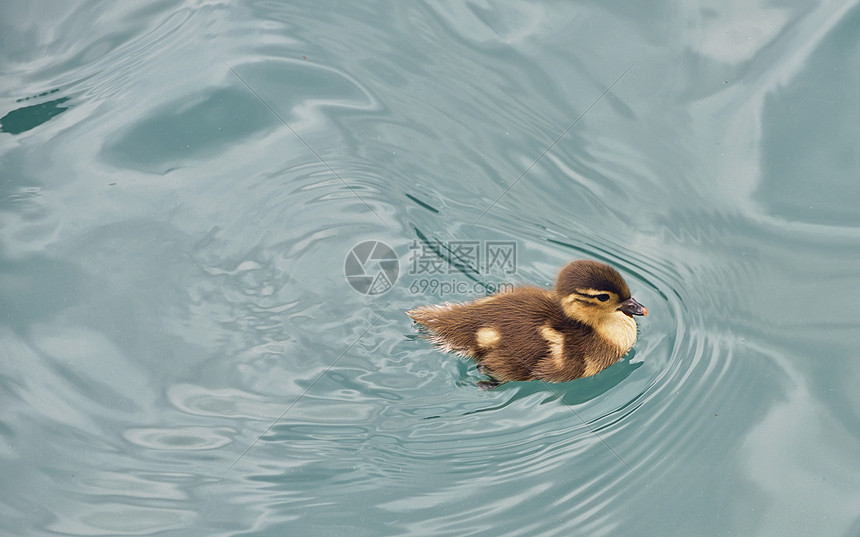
pixel 451 326
pixel 533 339
pixel 511 334
pixel 474 328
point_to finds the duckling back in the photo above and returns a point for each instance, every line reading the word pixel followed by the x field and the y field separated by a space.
pixel 501 332
pixel 454 327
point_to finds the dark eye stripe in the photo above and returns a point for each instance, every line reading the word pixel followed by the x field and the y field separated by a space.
pixel 603 297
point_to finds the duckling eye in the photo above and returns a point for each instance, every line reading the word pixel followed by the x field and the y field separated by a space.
pixel 603 297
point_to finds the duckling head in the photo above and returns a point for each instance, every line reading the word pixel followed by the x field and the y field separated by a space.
pixel 594 293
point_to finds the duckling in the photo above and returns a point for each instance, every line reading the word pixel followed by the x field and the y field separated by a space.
pixel 576 330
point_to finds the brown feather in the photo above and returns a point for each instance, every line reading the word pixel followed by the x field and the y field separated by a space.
pixel 528 334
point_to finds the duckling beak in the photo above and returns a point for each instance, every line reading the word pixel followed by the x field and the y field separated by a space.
pixel 630 308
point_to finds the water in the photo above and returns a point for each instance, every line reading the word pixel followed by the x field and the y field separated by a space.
pixel 181 183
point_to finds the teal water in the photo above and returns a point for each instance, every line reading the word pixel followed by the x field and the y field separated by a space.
pixel 181 184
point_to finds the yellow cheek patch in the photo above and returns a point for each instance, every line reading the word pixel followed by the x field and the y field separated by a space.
pixel 572 306
pixel 581 309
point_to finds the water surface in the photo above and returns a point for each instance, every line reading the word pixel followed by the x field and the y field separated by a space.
pixel 181 184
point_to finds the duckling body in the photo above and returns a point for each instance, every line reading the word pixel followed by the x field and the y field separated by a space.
pixel 576 330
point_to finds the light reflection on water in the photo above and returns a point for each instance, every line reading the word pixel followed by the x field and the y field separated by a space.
pixel 183 355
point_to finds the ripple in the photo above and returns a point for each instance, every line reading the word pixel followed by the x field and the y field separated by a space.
pixel 120 519
pixel 676 347
pixel 184 355
pixel 227 402
pixel 179 438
